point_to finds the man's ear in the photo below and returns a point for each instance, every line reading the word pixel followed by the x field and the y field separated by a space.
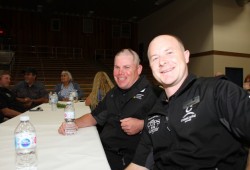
pixel 187 55
pixel 139 69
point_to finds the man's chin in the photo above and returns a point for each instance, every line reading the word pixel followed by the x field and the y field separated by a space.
pixel 122 86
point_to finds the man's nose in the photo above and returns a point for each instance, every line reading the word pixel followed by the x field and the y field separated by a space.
pixel 163 60
pixel 121 71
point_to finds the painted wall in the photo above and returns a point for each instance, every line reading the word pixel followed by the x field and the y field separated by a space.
pixel 231 34
pixel 221 62
pixel 191 20
pixel 204 25
pixel 201 66
pixel 231 25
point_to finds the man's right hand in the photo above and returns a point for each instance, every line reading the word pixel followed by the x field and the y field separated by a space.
pixel 61 129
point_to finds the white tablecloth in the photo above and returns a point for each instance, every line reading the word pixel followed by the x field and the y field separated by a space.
pixel 56 152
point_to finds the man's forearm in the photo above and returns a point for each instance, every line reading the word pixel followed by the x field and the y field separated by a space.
pixel 85 121
pixel 10 112
pixel 40 100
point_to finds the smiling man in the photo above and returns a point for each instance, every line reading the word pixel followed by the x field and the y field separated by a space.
pixel 198 123
pixel 122 111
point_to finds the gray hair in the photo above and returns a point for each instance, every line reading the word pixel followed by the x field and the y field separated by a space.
pixel 68 73
pixel 135 56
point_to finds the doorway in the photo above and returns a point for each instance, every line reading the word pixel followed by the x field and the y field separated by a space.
pixel 235 75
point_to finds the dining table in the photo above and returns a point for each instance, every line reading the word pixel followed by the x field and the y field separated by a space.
pixel 82 150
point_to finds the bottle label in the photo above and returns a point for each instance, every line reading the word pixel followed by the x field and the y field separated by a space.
pixel 25 140
pixel 69 115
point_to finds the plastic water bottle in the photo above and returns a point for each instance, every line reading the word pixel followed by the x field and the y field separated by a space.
pixel 50 97
pixel 54 100
pixel 73 96
pixel 25 144
pixel 69 116
pixel 56 97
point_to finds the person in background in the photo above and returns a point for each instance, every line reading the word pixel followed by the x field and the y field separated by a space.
pixel 66 86
pixel 9 106
pixel 197 123
pixel 122 111
pixel 219 74
pixel 246 84
pixel 30 92
pixel 101 86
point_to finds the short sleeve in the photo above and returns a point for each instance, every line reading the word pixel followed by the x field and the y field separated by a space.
pixel 101 118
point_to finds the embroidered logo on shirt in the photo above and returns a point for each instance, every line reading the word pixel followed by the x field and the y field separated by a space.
pixel 7 94
pixel 143 90
pixel 153 124
pixel 189 115
pixel 139 96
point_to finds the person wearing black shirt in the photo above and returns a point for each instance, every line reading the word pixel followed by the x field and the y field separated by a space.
pixel 122 111
pixel 9 106
pixel 197 123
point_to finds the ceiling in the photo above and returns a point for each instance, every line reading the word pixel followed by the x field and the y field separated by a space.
pixel 131 10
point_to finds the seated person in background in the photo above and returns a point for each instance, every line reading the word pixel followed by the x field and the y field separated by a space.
pixel 66 86
pixel 122 111
pixel 9 106
pixel 101 85
pixel 30 92
pixel 218 74
pixel 246 84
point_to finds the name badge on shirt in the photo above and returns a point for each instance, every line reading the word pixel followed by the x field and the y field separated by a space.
pixel 191 102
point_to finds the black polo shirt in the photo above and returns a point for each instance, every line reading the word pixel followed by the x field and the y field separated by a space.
pixel 118 104
pixel 202 126
pixel 8 100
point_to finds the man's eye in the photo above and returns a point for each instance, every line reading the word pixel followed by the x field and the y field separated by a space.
pixel 154 58
pixel 169 52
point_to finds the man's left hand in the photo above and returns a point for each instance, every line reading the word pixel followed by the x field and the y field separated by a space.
pixel 132 126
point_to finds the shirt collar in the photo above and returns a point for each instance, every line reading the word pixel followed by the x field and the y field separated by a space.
pixel 185 85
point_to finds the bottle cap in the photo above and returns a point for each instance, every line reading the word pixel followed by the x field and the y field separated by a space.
pixel 24 118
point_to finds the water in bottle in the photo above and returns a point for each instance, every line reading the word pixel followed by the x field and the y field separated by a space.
pixel 50 97
pixel 69 116
pixel 25 145
pixel 73 96
pixel 54 101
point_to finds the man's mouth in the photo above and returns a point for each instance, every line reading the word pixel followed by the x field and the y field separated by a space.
pixel 166 70
pixel 121 78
